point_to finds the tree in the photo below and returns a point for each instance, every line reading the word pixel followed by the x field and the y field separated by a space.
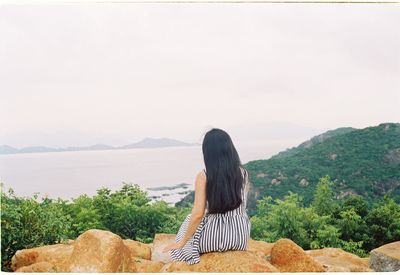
pixel 27 223
pixel 357 203
pixel 324 201
pixel 383 223
pixel 351 225
pixel 283 219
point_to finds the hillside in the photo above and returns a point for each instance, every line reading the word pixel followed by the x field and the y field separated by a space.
pixel 315 140
pixel 360 161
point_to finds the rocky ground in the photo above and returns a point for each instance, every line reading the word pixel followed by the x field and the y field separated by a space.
pixel 102 251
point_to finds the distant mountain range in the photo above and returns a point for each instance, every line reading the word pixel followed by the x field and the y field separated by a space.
pixel 363 162
pixel 145 143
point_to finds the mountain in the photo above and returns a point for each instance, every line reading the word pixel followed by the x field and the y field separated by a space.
pixel 35 149
pixel 89 148
pixel 274 130
pixel 364 162
pixel 315 140
pixel 145 143
pixel 156 142
pixel 5 149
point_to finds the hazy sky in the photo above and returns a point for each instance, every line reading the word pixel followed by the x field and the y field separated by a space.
pixel 82 74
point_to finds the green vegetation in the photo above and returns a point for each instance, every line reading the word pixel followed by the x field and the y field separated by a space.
pixel 349 223
pixel 128 212
pixel 315 140
pixel 356 207
pixel 364 162
pixel 346 223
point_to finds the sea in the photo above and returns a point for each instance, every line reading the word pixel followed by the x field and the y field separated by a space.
pixel 166 173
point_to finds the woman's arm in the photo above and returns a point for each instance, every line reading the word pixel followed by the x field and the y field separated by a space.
pixel 198 206
pixel 197 212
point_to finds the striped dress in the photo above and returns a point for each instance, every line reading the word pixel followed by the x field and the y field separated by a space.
pixel 216 232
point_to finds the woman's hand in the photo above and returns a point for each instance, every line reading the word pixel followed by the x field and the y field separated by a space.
pixel 173 246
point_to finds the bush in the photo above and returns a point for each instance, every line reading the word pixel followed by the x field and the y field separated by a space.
pixel 27 223
pixel 383 223
pixel 128 212
pixel 354 226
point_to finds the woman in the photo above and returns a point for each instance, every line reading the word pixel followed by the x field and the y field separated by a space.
pixel 218 221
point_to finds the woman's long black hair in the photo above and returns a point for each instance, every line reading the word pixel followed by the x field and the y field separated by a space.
pixel 223 171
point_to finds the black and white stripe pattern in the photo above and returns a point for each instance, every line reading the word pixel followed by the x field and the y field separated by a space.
pixel 216 232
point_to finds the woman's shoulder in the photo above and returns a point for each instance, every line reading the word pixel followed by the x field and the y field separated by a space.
pixel 201 175
pixel 244 170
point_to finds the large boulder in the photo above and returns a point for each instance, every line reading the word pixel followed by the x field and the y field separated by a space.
pixel 159 242
pixel 260 248
pixel 386 257
pixel 38 267
pixel 287 256
pixel 138 249
pixel 93 251
pixel 57 255
pixel 228 261
pixel 100 251
pixel 338 260
pixel 146 266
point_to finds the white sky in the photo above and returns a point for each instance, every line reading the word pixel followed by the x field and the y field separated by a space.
pixel 81 74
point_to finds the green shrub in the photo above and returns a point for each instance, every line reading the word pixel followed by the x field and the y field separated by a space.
pixel 27 223
pixel 128 212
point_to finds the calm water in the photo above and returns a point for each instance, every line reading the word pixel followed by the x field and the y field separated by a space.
pixel 70 174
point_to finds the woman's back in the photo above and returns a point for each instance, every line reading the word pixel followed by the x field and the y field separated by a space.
pixel 244 192
pixel 216 232
pixel 225 224
pixel 229 230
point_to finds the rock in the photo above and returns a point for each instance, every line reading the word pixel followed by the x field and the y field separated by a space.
pixel 365 261
pixel 260 248
pixel 38 267
pixel 261 175
pixel 146 266
pixel 281 177
pixel 392 156
pixel 345 193
pixel 287 256
pixel 338 260
pixel 228 261
pixel 159 242
pixel 303 182
pixel 333 156
pixel 275 182
pixel 386 257
pixel 93 251
pixel 139 249
pixel 101 251
pixel 57 254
